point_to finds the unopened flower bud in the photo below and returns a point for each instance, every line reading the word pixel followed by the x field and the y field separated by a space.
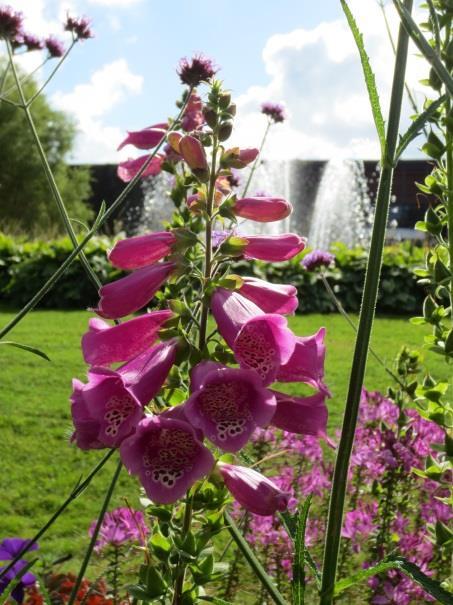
pixel 210 116
pixel 224 100
pixel 193 153
pixel 225 131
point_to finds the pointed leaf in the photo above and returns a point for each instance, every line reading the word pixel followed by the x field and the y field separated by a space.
pixel 417 125
pixel 298 583
pixel 370 80
pixel 33 350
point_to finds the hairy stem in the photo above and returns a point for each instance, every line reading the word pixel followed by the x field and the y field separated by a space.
pixel 338 493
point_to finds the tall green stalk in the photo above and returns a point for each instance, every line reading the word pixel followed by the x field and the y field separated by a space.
pixel 94 537
pixel 49 174
pixel 338 493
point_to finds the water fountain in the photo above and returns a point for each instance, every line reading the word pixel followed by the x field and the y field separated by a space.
pixel 330 200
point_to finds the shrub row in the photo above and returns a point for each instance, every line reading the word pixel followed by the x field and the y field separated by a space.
pixel 24 267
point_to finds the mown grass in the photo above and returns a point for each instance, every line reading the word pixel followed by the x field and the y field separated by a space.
pixel 39 467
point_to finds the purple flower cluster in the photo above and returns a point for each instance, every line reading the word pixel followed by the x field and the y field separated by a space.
pixel 317 258
pixel 384 451
pixel 80 27
pixel 120 526
pixel 275 111
pixel 196 70
pixel 10 23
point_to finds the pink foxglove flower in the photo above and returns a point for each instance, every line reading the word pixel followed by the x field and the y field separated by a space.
pixel 270 298
pixel 127 170
pixel 142 250
pixel 143 139
pixel 108 408
pixel 261 342
pixel 193 117
pixel 104 344
pixel 254 491
pixel 120 526
pixel 227 404
pixel 131 293
pixel 262 209
pixel 194 154
pixel 167 456
pixel 302 415
pixel 273 247
pixel 306 364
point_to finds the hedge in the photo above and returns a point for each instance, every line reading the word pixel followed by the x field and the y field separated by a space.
pixel 24 267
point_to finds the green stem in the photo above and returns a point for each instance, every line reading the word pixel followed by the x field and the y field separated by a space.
pixel 51 75
pixel 258 569
pixel 72 496
pixel 23 80
pixel 181 570
pixel 97 225
pixel 49 174
pixel 94 537
pixel 338 493
pixel 258 159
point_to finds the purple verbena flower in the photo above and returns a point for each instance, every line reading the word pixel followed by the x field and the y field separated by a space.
pixel 79 27
pixel 10 23
pixel 196 70
pixel 275 111
pixel 120 526
pixel 317 258
pixel 32 42
pixel 54 47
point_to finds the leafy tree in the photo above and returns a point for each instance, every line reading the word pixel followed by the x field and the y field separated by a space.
pixel 26 201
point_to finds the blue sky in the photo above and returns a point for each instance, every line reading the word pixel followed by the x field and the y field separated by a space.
pixel 296 51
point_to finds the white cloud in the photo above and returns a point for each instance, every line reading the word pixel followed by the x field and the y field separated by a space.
pixel 317 73
pixel 91 102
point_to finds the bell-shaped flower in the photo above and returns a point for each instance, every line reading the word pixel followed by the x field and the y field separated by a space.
pixel 131 293
pixel 193 117
pixel 167 456
pixel 262 209
pixel 260 342
pixel 104 411
pixel 127 170
pixel 142 250
pixel 104 344
pixel 270 298
pixel 306 364
pixel 273 247
pixel 254 491
pixel 302 415
pixel 108 408
pixel 194 154
pixel 144 139
pixel 227 404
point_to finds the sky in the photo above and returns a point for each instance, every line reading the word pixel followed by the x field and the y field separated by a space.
pixel 298 52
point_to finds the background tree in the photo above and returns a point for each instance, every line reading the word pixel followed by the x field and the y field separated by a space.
pixel 26 202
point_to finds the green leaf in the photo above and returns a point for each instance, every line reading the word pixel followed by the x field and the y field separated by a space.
pixel 370 80
pixel 290 525
pixel 423 45
pixel 417 126
pixel 432 587
pixel 25 348
pixel 298 583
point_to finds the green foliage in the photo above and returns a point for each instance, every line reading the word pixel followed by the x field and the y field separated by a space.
pixel 27 202
pixel 24 267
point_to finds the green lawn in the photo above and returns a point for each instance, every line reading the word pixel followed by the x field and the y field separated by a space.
pixel 39 467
